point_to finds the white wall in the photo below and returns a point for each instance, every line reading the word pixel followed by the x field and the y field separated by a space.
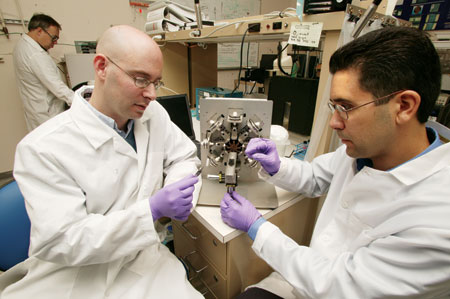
pixel 80 20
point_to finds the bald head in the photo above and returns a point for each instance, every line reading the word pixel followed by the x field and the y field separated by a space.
pixel 124 55
pixel 122 40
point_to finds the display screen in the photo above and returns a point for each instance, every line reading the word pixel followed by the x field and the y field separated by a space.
pixel 178 108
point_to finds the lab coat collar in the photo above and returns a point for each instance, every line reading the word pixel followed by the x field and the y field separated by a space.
pixel 423 166
pixel 95 130
pixel 98 133
pixel 147 113
pixel 33 43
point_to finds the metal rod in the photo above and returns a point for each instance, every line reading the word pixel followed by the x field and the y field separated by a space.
pixel 365 18
pixel 198 14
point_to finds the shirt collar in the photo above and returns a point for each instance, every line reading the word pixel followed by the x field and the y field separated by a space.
pixel 433 138
pixel 106 119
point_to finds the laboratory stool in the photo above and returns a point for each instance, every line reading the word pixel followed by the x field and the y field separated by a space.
pixel 14 227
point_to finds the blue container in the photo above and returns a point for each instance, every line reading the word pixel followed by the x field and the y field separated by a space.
pixel 213 92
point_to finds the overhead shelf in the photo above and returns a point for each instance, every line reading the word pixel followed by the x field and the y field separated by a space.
pixel 229 31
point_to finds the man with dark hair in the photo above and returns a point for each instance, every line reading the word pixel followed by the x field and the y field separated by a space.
pixel 383 231
pixel 42 21
pixel 43 92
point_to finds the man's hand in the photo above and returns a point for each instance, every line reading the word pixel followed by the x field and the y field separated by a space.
pixel 238 212
pixel 265 152
pixel 174 200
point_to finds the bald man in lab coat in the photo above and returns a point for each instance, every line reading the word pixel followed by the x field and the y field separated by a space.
pixel 97 177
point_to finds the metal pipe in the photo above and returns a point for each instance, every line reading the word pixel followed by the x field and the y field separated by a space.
pixel 198 14
pixel 365 18
pixel 19 8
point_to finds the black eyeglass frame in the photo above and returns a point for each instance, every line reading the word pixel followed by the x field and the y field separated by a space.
pixel 139 82
pixel 53 37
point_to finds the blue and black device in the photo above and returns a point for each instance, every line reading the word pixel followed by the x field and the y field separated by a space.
pixel 213 92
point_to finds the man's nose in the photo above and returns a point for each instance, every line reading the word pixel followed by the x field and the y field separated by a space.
pixel 150 91
pixel 336 121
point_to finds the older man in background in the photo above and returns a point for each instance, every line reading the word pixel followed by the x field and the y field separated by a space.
pixel 43 92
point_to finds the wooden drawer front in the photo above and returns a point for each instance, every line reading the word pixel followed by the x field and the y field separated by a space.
pixel 205 277
pixel 202 274
pixel 183 245
pixel 204 241
pixel 215 283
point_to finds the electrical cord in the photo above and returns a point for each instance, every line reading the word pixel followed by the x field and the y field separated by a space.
pixel 284 13
pixel 191 34
pixel 240 60
pixel 251 90
pixel 248 53
pixel 279 58
pixel 63 44
pixel 10 33
pixel 158 38
pixel 171 90
pixel 61 70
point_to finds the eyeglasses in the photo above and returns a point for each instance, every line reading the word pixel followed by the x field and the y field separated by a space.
pixel 53 37
pixel 343 112
pixel 140 82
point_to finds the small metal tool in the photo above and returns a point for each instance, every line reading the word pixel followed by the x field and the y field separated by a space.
pixel 199 171
pixel 230 189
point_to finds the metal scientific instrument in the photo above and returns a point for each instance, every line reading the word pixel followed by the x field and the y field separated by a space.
pixel 226 126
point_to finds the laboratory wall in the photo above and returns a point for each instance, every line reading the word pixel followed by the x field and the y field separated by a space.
pixel 81 20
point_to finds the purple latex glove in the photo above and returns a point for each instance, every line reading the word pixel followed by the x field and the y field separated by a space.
pixel 265 152
pixel 238 212
pixel 174 200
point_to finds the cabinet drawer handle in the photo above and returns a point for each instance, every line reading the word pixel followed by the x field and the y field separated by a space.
pixel 185 258
pixel 205 289
pixel 197 276
pixel 184 227
pixel 208 288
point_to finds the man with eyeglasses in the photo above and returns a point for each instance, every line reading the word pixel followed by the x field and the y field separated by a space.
pixel 383 230
pixel 98 178
pixel 44 94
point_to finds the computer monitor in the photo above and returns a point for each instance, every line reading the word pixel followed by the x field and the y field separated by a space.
pixel 179 111
pixel 294 102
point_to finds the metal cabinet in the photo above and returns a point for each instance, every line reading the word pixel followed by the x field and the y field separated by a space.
pixel 223 270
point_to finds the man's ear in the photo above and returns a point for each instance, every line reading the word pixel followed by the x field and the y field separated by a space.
pixel 100 66
pixel 407 104
pixel 37 32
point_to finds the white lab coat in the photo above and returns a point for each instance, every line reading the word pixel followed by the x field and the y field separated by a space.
pixel 41 89
pixel 87 194
pixel 379 234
